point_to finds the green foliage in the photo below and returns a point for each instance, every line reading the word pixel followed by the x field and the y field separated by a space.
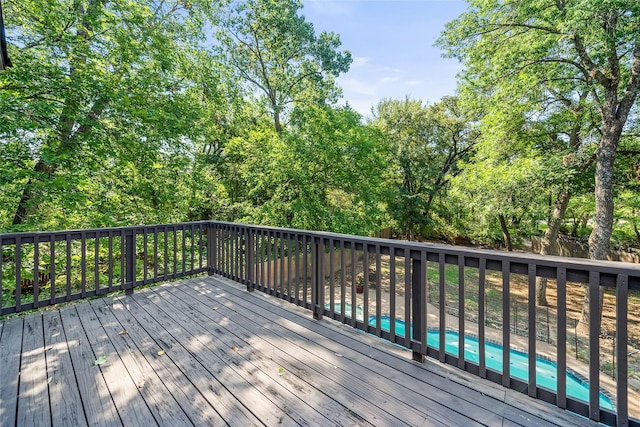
pixel 427 143
pixel 322 174
pixel 278 54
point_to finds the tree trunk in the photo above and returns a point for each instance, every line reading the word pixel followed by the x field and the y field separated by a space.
pixel 603 220
pixel 25 206
pixel 505 233
pixel 549 241
pixel 276 122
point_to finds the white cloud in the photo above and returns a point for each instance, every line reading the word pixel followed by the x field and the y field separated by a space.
pixel 387 80
pixel 356 86
pixel 360 61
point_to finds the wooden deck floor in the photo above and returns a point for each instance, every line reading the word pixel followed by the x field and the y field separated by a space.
pixel 205 352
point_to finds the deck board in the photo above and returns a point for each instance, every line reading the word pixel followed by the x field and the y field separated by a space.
pixel 97 403
pixel 10 351
pixel 66 411
pixel 329 372
pixel 127 399
pixel 156 391
pixel 33 397
pixel 223 350
pixel 219 352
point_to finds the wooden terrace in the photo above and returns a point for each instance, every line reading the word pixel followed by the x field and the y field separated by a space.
pixel 204 351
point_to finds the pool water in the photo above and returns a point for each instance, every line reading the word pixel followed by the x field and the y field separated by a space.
pixel 546 370
pixel 347 310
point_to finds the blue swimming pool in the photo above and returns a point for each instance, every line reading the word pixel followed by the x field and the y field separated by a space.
pixel 546 370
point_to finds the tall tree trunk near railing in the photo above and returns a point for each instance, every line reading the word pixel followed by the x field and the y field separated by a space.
pixel 548 245
pixel 505 233
pixel 25 206
pixel 603 220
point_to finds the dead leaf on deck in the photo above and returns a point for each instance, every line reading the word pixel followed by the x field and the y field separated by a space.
pixel 140 384
pixel 123 332
pixel 161 352
pixel 281 371
pixel 234 348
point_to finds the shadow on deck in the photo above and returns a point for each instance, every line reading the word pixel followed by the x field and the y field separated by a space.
pixel 203 351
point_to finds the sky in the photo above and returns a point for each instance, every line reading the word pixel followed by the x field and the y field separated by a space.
pixel 391 42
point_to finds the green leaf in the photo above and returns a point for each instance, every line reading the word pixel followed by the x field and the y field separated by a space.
pixel 100 360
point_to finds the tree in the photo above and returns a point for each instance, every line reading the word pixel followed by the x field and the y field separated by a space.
pixel 89 76
pixel 323 173
pixel 593 45
pixel 278 54
pixel 427 142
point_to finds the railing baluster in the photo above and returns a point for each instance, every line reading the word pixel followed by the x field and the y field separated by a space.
pixel 155 253
pixel 379 293
pixel 123 261
pixel 200 246
pixel 68 264
pixel 297 267
pixel 531 328
pixel 419 309
pixel 18 269
pixel 289 266
pixel 130 249
pixel 332 290
pixel 343 280
pixel 175 250
pixel 165 248
pixel 561 375
pixel 96 262
pixel 305 256
pixel 506 324
pixel 184 249
pixel 365 293
pixel 83 264
pixel 36 271
pixel 283 293
pixel 392 293
pixel 354 283
pixel 594 345
pixel 461 312
pixel 52 267
pixel 407 297
pixel 442 302
pixel 622 368
pixel 482 265
pixel 193 246
pixel 145 238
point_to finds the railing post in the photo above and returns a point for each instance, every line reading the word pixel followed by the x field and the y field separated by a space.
pixel 210 249
pixel 130 257
pixel 418 307
pixel 249 261
pixel 317 282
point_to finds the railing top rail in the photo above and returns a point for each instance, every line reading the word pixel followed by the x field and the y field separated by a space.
pixel 10 238
pixel 607 267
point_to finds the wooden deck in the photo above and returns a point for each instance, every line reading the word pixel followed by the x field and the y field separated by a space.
pixel 205 352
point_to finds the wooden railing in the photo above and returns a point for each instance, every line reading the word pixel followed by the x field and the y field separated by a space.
pixel 431 299
pixel 475 296
pixel 47 268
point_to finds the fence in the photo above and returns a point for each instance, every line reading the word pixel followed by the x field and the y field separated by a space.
pixel 474 309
